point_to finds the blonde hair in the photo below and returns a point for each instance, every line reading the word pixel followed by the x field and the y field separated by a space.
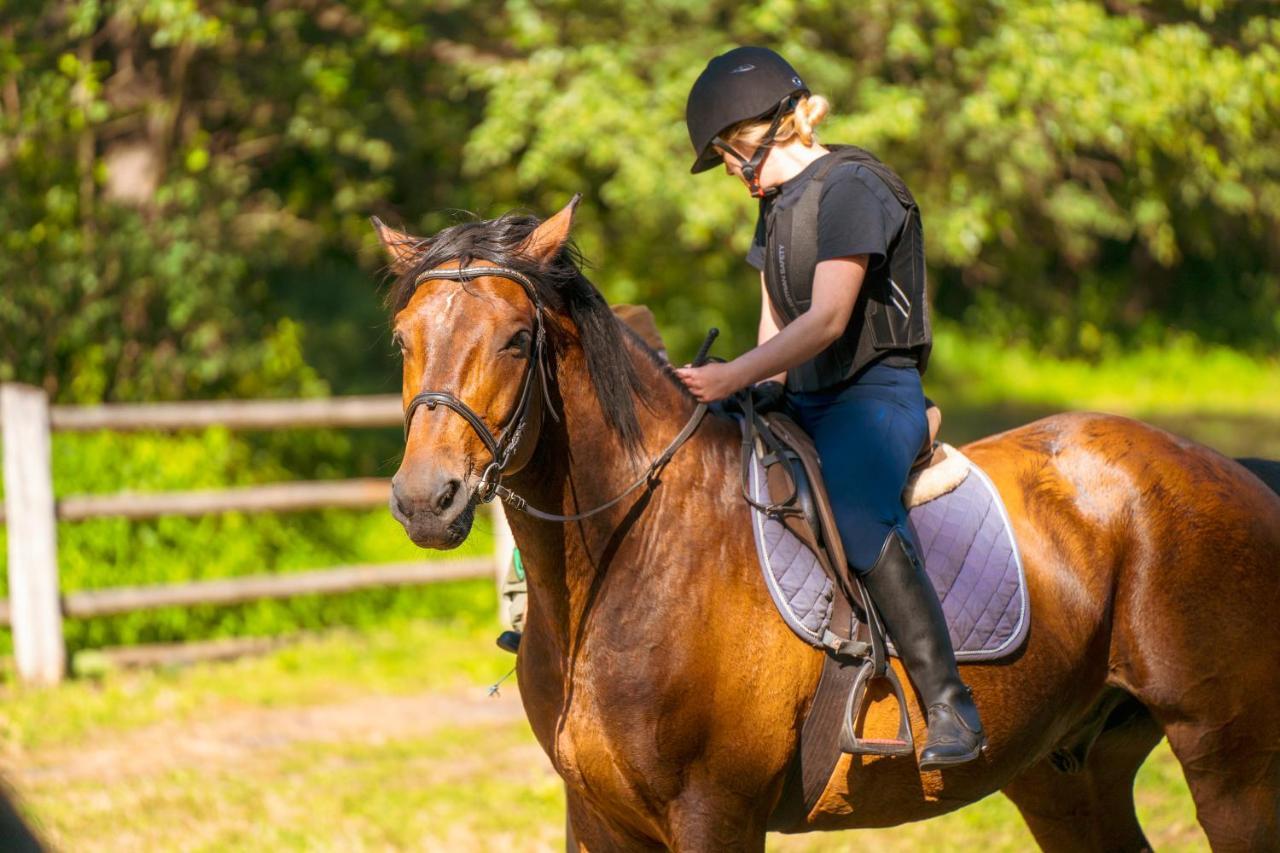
pixel 746 136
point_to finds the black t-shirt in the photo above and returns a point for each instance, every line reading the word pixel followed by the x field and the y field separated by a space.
pixel 857 214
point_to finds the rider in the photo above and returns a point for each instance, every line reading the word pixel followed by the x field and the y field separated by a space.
pixel 844 322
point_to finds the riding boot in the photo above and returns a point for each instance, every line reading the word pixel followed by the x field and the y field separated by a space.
pixel 904 597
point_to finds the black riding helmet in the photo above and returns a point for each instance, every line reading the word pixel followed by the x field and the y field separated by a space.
pixel 744 83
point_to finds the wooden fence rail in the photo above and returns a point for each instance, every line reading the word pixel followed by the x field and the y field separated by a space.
pixel 35 609
pixel 274 497
pixel 380 410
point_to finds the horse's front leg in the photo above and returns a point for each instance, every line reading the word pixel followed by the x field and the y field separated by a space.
pixel 587 830
pixel 702 821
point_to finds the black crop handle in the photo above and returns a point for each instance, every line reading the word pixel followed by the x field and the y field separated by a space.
pixel 706 347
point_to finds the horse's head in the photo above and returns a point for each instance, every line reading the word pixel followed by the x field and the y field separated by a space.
pixel 472 344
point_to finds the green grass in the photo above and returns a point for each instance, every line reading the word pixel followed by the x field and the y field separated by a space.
pixel 1183 377
pixel 400 657
pixel 1214 395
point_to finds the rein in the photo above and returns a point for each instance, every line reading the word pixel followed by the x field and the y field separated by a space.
pixel 503 446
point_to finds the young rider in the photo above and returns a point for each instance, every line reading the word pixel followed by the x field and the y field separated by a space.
pixel 844 322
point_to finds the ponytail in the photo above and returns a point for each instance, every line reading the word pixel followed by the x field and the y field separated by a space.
pixel 800 123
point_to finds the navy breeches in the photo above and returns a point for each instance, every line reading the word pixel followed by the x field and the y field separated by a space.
pixel 867 434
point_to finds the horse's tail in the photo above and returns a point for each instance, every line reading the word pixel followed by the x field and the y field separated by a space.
pixel 1266 470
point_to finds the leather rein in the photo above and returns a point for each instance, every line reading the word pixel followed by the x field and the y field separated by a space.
pixel 533 394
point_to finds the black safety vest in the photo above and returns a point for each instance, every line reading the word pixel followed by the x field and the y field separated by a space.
pixel 890 319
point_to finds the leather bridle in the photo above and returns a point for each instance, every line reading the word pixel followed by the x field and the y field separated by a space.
pixel 502 447
pixel 521 425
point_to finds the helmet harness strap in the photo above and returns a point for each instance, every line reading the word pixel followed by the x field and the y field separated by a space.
pixel 751 168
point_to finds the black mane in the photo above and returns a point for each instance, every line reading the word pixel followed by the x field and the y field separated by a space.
pixel 563 288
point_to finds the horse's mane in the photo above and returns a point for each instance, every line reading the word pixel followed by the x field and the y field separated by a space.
pixel 563 288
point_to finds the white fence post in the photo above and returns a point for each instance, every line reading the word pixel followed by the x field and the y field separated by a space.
pixel 36 612
pixel 503 544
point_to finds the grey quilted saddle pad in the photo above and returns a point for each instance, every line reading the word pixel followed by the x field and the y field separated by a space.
pixel 969 553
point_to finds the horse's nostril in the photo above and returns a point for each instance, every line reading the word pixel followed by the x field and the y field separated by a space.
pixel 447 494
pixel 406 509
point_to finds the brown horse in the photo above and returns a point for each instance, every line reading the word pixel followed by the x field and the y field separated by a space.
pixel 666 690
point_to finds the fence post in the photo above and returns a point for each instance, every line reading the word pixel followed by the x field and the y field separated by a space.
pixel 34 605
pixel 503 544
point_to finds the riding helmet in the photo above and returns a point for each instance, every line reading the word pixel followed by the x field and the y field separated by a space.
pixel 744 83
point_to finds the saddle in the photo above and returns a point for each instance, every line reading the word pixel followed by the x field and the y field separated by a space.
pixel 856 633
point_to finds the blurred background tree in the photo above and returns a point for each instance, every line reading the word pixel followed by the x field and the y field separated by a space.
pixel 186 185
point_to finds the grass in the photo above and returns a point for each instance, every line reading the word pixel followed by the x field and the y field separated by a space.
pixel 1183 377
pixel 401 657
pixel 1214 395
pixel 374 740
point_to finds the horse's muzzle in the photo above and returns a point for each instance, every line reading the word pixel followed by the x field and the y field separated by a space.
pixel 435 511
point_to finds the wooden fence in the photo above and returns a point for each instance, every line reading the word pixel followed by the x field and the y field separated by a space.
pixel 35 608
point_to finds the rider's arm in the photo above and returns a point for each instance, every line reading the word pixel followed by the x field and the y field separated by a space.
pixel 769 324
pixel 836 283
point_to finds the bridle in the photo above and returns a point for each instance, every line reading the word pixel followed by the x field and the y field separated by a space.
pixel 521 425
pixel 501 448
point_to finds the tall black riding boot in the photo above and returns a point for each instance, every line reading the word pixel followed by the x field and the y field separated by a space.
pixel 912 614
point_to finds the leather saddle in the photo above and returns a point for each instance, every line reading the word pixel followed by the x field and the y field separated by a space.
pixel 798 499
pixel 794 470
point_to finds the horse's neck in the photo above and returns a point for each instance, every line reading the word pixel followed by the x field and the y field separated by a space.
pixel 580 464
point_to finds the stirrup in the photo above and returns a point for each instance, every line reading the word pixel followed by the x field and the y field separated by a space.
pixel 903 744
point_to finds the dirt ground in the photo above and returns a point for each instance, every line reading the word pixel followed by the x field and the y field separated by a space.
pixel 381 740
pixel 238 737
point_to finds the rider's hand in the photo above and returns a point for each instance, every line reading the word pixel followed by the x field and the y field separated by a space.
pixel 769 396
pixel 711 382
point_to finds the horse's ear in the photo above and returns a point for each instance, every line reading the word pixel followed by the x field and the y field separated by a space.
pixel 404 249
pixel 547 239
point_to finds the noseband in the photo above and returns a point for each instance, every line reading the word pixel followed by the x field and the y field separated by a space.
pixel 502 448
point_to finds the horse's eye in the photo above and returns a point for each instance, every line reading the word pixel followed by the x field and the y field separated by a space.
pixel 519 342
pixel 398 343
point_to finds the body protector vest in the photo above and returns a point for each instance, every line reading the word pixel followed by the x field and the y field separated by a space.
pixel 890 319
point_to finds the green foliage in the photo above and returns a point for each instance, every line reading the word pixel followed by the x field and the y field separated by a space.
pixel 184 190
pixel 160 161
pixel 175 174
pixel 1086 171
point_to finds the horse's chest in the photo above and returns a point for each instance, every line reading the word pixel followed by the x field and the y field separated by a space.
pixel 600 739
pixel 593 746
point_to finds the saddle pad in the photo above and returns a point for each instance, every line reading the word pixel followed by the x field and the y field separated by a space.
pixel 969 552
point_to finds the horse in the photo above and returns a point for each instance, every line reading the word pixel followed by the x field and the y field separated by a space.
pixel 654 669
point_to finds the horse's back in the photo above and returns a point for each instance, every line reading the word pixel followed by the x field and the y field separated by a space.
pixel 1183 541
pixel 1100 454
pixel 1266 470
